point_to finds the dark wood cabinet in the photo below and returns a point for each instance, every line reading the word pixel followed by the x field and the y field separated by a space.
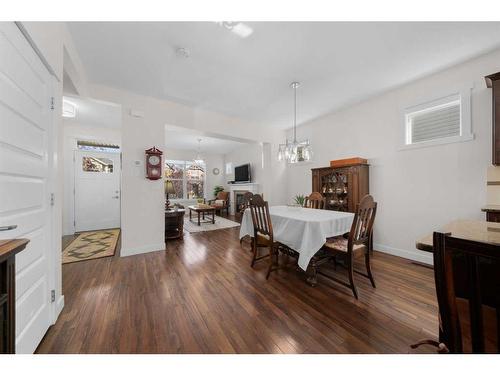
pixel 342 187
pixel 8 251
pixel 174 224
pixel 492 213
pixel 493 82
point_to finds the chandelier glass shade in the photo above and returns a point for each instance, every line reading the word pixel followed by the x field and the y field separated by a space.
pixel 198 160
pixel 295 151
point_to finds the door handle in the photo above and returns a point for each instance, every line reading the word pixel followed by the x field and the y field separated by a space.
pixel 8 227
pixel 116 197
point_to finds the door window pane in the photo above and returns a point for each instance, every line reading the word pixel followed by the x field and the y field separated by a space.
pixel 93 164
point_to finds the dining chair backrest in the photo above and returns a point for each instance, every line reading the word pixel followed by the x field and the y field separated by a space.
pixel 315 200
pixel 467 277
pixel 261 218
pixel 246 198
pixel 362 225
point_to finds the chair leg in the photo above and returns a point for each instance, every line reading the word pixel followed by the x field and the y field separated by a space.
pixel 334 260
pixel 369 268
pixel 312 279
pixel 255 251
pixel 272 256
pixel 350 270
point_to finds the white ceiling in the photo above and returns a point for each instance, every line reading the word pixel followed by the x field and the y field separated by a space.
pixel 184 139
pixel 337 63
pixel 97 113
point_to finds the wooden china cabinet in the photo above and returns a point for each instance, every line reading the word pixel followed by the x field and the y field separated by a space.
pixel 342 186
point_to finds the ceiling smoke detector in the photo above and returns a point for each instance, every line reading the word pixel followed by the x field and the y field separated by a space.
pixel 182 52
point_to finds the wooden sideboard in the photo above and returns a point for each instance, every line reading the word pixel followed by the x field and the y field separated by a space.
pixel 342 187
pixel 8 251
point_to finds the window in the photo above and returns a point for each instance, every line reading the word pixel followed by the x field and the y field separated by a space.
pixel 441 121
pixel 94 164
pixel 187 178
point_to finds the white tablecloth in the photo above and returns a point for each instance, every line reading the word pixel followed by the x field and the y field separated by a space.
pixel 305 230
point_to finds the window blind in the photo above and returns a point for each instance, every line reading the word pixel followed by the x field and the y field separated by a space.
pixel 434 123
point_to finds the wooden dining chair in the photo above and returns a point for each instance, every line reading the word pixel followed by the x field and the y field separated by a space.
pixel 243 206
pixel 357 243
pixel 467 277
pixel 315 200
pixel 263 232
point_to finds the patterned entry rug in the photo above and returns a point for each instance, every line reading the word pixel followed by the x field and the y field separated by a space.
pixel 91 245
pixel 220 223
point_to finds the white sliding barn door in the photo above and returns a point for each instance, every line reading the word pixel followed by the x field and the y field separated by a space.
pixel 25 131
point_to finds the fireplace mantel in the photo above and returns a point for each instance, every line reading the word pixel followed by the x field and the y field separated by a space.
pixel 243 188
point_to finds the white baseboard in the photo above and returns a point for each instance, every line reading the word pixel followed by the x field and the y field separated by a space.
pixel 124 252
pixel 59 308
pixel 416 255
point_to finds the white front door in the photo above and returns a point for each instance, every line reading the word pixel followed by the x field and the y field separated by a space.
pixel 97 190
pixel 25 134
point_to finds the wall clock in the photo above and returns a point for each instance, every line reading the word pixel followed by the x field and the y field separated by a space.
pixel 215 171
pixel 153 163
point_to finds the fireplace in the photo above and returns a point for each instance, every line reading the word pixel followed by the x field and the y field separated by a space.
pixel 238 202
pixel 236 197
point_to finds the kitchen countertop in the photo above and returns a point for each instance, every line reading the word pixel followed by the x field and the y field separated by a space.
pixel 473 230
pixel 491 208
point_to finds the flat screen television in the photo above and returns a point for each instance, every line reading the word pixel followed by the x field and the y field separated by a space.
pixel 242 173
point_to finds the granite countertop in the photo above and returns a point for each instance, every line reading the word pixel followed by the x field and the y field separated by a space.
pixel 479 231
pixel 491 208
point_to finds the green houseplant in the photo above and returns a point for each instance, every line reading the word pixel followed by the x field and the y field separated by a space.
pixel 299 199
pixel 218 189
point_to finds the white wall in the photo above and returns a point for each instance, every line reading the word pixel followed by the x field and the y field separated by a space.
pixel 211 161
pixel 142 209
pixel 72 132
pixel 250 153
pixel 417 190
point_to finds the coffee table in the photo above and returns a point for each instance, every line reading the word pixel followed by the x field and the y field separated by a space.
pixel 201 211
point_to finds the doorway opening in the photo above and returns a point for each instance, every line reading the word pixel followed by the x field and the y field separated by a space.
pixel 92 179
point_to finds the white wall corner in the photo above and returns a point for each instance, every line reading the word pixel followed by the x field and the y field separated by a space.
pixel 125 252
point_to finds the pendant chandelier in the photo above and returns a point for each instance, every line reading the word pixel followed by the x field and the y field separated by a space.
pixel 295 151
pixel 198 160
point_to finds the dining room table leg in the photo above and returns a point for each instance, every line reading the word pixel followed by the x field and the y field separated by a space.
pixel 213 217
pixel 199 218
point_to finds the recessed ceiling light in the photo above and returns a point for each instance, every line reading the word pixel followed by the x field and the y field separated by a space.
pixel 68 109
pixel 182 52
pixel 239 28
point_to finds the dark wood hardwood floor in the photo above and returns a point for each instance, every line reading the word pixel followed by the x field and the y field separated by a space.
pixel 201 296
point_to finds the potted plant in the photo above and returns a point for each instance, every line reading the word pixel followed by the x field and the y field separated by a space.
pixel 299 200
pixel 218 189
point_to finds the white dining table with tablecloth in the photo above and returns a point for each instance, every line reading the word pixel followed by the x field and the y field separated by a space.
pixel 304 230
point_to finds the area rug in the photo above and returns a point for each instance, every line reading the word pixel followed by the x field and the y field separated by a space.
pixel 91 245
pixel 220 223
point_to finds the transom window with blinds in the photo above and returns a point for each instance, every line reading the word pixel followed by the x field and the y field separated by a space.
pixel 441 121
